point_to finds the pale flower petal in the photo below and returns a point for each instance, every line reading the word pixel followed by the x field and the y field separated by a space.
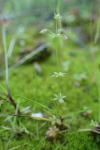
pixel 37 115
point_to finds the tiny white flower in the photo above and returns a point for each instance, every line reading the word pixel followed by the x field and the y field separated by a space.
pixel 94 123
pixel 43 31
pixel 61 33
pixel 37 115
pixel 57 35
pixel 59 97
pixel 58 74
pixel 57 16
pixel 65 37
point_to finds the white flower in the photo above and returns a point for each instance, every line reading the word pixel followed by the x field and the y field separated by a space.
pixel 37 115
pixel 43 31
pixel 58 74
pixel 94 123
pixel 57 16
pixel 65 37
pixel 59 97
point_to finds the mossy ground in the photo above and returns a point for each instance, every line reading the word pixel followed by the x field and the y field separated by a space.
pixel 37 91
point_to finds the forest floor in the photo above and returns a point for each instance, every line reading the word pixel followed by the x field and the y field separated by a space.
pixel 72 96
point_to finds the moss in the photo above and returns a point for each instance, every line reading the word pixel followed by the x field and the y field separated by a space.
pixel 81 141
pixel 37 91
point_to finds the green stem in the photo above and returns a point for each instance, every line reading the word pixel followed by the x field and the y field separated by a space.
pixel 6 59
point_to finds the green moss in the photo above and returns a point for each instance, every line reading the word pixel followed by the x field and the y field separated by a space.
pixel 37 91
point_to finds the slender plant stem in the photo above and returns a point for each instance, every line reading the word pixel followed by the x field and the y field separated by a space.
pixel 11 100
pixel 6 59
